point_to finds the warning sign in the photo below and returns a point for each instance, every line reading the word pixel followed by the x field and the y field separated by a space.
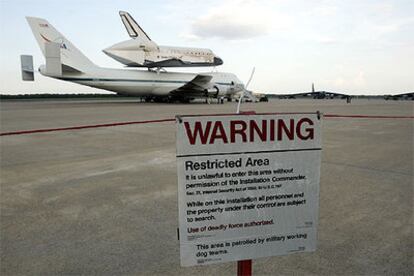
pixel 248 186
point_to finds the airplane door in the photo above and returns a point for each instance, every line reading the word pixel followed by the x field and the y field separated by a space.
pixel 232 87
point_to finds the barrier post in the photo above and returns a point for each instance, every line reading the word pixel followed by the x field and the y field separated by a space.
pixel 244 268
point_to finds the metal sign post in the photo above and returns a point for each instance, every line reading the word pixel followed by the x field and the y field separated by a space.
pixel 244 267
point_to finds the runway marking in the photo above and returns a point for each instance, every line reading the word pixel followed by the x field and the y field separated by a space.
pixel 328 116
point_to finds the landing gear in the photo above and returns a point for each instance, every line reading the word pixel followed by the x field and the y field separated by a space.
pixel 160 100
pixel 172 99
pixel 147 99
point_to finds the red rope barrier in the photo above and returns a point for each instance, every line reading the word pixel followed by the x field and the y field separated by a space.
pixel 83 127
pixel 367 116
pixel 172 120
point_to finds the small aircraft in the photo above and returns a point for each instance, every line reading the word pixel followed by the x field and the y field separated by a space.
pixel 141 51
pixel 65 62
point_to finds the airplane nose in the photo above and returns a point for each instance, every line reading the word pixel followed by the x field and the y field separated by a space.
pixel 42 69
pixel 218 61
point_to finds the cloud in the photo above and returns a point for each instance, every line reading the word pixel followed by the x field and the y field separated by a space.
pixel 324 10
pixel 347 80
pixel 382 8
pixel 237 20
pixel 323 39
pixel 189 37
pixel 359 80
pixel 227 28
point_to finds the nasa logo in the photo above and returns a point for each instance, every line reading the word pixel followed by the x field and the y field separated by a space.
pixel 43 25
pixel 61 44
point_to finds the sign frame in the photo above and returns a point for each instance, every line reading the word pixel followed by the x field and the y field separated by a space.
pixel 182 180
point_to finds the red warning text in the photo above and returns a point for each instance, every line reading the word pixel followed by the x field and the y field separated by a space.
pixel 249 131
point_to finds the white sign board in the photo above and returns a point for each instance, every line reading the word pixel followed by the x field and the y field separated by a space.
pixel 248 186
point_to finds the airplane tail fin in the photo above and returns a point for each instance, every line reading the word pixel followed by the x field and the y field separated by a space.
pixel 46 35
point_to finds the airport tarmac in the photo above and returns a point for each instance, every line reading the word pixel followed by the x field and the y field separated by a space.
pixel 104 201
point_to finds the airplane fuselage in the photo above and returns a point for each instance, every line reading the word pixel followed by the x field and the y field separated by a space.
pixel 148 83
pixel 134 53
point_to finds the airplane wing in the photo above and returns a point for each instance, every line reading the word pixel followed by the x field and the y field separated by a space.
pixel 195 87
pixel 172 62
pixel 200 82
pixel 132 27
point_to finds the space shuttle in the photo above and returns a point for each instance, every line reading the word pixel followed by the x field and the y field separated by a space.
pixel 142 51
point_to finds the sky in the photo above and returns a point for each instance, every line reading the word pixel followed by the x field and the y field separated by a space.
pixel 353 46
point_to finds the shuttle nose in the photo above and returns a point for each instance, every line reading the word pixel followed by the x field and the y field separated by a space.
pixel 108 52
pixel 218 61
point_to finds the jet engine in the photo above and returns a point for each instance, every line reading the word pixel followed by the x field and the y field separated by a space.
pixel 214 92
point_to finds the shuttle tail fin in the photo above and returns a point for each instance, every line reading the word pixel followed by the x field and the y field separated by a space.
pixel 132 27
pixel 46 34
